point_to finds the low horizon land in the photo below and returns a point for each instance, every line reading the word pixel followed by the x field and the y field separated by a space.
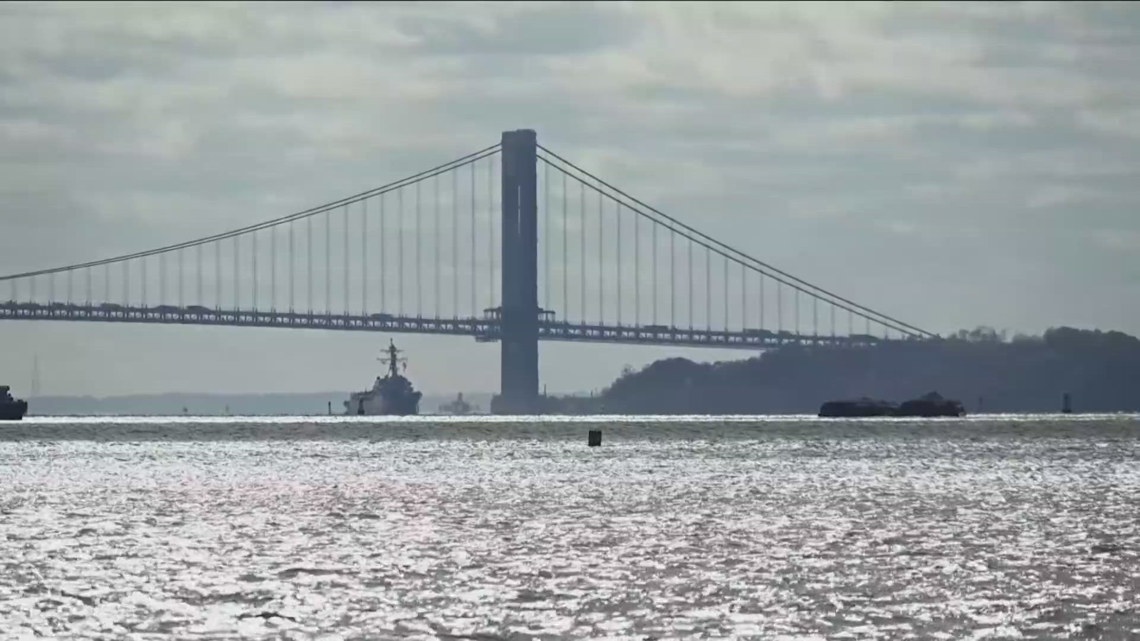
pixel 594 418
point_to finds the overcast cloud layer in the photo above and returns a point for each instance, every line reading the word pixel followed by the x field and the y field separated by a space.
pixel 951 164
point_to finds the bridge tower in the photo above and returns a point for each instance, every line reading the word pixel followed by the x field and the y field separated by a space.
pixel 520 311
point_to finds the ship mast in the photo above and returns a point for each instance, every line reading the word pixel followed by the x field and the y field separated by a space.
pixel 393 359
pixel 35 391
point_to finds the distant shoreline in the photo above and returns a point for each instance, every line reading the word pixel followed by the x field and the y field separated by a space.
pixel 633 418
pixel 204 404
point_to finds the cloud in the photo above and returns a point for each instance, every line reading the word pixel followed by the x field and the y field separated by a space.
pixel 1122 240
pixel 907 146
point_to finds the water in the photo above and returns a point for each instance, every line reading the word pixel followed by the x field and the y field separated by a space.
pixel 986 528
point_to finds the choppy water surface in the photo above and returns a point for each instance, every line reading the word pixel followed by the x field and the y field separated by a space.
pixel 1016 527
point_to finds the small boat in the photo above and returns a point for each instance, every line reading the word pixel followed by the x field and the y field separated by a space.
pixel 11 409
pixel 458 407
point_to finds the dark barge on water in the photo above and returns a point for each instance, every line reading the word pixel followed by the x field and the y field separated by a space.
pixel 928 406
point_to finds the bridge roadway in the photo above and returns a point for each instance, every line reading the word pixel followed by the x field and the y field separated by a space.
pixel 483 329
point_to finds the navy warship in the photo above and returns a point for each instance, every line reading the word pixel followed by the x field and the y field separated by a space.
pixel 391 395
pixel 11 409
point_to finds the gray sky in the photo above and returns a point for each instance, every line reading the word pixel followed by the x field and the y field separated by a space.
pixel 951 164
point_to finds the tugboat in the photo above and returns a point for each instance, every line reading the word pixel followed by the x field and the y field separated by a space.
pixel 11 409
pixel 391 395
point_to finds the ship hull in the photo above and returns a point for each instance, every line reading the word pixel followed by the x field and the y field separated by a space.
pixel 856 409
pixel 375 405
pixel 915 409
pixel 13 411
pixel 929 406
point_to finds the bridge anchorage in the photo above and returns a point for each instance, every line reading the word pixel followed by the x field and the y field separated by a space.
pixel 578 260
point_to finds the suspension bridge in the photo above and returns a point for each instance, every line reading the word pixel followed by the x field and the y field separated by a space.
pixel 513 243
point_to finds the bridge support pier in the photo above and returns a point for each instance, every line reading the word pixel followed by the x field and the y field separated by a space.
pixel 520 312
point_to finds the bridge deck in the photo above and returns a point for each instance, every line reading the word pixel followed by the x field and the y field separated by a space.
pixel 482 329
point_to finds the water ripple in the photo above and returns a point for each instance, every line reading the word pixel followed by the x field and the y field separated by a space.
pixel 775 529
